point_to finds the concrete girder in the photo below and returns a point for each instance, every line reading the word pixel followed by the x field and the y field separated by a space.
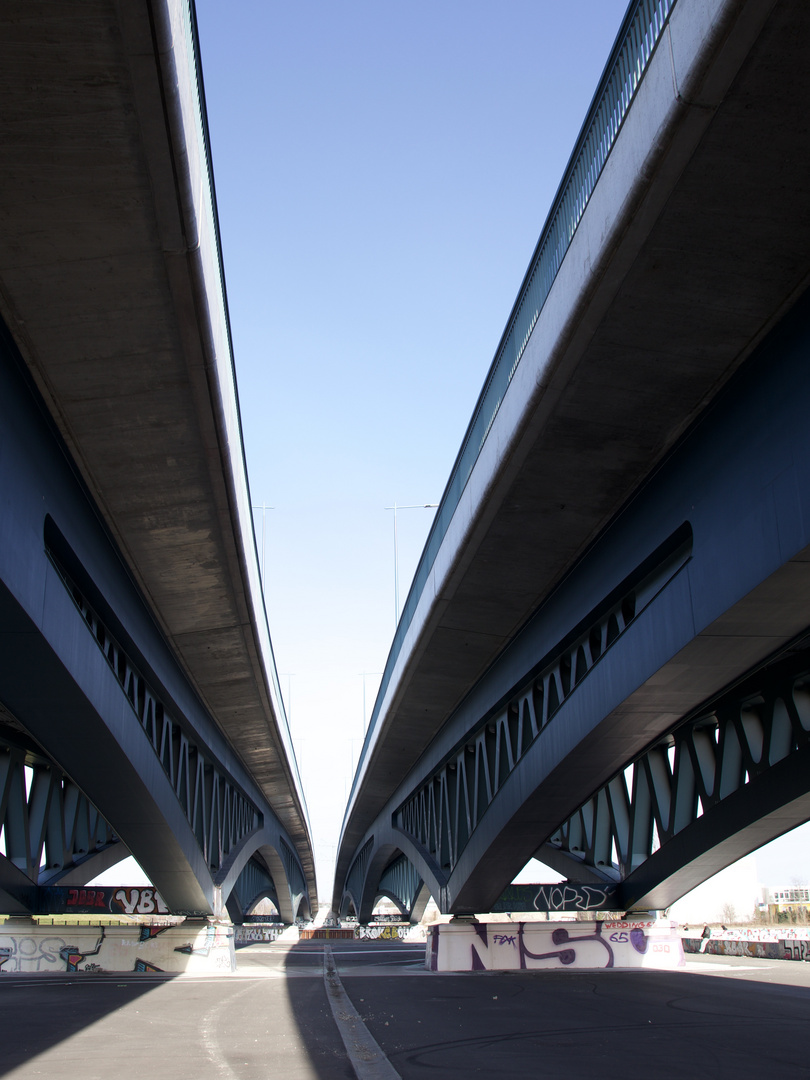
pixel 112 288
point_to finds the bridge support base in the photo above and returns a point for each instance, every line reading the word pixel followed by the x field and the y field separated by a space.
pixel 192 947
pixel 510 946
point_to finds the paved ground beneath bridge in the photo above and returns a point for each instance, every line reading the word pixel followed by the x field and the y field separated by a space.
pixel 719 1017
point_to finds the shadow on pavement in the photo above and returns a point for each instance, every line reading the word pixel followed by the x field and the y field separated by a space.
pixel 667 1025
pixel 37 1012
pixel 309 1005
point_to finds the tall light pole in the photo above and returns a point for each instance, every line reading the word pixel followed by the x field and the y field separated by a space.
pixel 264 508
pixel 412 506
pixel 363 674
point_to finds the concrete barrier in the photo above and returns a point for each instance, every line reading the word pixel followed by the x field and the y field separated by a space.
pixel 327 933
pixel 474 946
pixel 390 932
pixel 28 948
pixel 248 933
pixel 780 949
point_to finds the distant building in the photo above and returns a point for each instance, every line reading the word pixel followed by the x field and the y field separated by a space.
pixel 790 900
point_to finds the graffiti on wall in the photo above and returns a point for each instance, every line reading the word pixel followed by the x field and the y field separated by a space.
pixel 74 956
pixel 116 948
pixel 382 933
pixel 118 900
pixel 797 950
pixel 213 944
pixel 146 933
pixel 138 902
pixel 567 947
pixel 775 949
pixel 246 935
pixel 144 965
pixel 525 946
pixel 35 953
pixel 561 897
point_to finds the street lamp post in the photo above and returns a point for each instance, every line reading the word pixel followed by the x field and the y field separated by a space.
pixel 264 508
pixel 363 674
pixel 412 506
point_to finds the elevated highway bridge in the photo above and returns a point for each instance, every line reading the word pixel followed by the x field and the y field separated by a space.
pixel 603 660
pixel 140 709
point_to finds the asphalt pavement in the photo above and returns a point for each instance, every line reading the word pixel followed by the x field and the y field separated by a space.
pixel 278 1016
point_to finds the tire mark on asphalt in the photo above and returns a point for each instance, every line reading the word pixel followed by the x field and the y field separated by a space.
pixel 210 1040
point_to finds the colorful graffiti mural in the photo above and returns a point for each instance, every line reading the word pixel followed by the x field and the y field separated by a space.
pixel 761 948
pixel 390 932
pixel 116 900
pixel 169 948
pixel 73 956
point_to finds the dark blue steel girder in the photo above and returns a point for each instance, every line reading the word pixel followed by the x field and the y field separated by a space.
pixel 730 776
pixel 697 585
pixel 106 749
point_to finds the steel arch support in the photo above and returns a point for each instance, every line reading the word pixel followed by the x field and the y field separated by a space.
pixel 420 903
pixel 276 850
pixel 363 889
pixel 401 883
pixel 18 894
pixel 253 885
pixel 82 872
pixel 348 904
pixel 725 780
pixel 167 811
pixel 769 806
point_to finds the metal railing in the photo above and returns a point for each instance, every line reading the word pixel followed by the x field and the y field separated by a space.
pixel 635 44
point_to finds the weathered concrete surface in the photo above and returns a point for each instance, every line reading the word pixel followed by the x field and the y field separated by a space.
pixel 693 245
pixel 110 282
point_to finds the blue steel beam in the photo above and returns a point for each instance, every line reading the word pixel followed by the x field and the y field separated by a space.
pixel 721 784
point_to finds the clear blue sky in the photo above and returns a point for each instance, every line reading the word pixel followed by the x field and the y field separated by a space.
pixel 383 172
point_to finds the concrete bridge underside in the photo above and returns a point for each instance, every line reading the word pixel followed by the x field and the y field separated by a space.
pixel 112 290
